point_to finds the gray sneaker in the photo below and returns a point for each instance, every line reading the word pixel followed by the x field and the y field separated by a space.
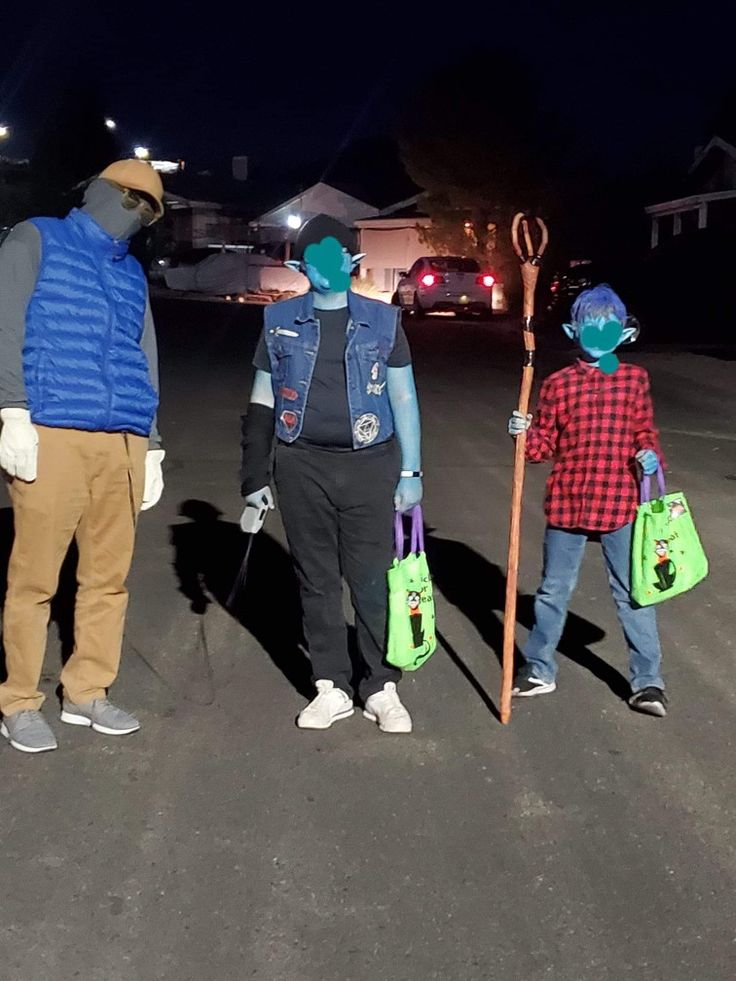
pixel 28 731
pixel 101 716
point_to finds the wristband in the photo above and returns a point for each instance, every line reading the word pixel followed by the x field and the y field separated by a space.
pixel 412 473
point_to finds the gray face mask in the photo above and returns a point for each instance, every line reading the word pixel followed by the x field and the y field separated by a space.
pixel 103 202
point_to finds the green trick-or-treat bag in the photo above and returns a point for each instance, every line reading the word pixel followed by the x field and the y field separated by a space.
pixel 666 555
pixel 411 633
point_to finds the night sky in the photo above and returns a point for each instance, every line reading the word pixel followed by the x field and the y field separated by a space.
pixel 287 85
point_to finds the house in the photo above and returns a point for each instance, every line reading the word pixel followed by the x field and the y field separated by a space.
pixel 365 187
pixel 389 236
pixel 196 224
pixel 684 288
pixel 367 180
pixel 281 223
pixel 709 200
pixel 204 208
pixel 391 241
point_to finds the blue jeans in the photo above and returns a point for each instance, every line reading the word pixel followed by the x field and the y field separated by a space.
pixel 563 553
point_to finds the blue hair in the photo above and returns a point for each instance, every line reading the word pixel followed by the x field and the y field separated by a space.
pixel 598 303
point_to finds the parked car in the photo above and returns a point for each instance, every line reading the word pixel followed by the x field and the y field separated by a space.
pixel 565 286
pixel 445 283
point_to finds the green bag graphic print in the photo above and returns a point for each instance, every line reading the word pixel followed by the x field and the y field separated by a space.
pixel 666 555
pixel 411 633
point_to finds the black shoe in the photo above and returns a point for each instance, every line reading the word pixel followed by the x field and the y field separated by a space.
pixel 524 687
pixel 651 701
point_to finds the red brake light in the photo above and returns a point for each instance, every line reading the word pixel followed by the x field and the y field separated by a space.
pixel 486 280
pixel 428 280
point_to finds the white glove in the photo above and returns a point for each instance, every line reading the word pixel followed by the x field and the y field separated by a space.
pixel 517 423
pixel 18 444
pixel 154 485
pixel 257 506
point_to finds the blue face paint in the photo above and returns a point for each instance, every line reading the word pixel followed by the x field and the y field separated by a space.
pixel 327 266
pixel 599 339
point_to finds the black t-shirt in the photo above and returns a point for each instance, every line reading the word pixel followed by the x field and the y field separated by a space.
pixel 327 414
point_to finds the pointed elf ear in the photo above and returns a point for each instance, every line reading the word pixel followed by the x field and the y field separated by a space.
pixel 570 330
pixel 630 331
pixel 293 264
pixel 357 258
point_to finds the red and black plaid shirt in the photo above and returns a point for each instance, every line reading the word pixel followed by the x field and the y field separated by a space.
pixel 592 425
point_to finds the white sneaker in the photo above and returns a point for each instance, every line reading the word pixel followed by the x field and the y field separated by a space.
pixel 330 705
pixel 531 686
pixel 386 709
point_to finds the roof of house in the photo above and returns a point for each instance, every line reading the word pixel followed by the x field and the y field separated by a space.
pixel 411 209
pixel 717 143
pixel 369 170
pixel 704 176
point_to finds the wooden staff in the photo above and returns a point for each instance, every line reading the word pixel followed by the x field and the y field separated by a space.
pixel 530 260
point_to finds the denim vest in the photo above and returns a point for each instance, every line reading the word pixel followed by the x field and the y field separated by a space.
pixel 292 335
pixel 82 359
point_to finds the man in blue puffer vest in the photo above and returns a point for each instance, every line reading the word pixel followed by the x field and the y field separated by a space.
pixel 334 383
pixel 79 442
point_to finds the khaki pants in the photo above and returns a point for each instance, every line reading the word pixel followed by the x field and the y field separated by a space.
pixel 89 487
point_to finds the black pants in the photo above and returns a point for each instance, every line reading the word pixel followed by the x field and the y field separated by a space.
pixel 337 510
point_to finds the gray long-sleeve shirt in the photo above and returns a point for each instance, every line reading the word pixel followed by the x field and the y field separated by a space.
pixel 20 261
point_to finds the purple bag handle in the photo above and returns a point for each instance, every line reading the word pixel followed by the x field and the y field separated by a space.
pixel 417 531
pixel 646 486
pixel 399 535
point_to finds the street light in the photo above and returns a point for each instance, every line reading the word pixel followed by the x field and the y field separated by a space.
pixel 4 132
pixel 141 152
pixel 294 221
pixel 111 124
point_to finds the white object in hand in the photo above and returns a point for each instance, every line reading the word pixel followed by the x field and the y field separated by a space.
pixel 18 444
pixel 154 483
pixel 518 424
pixel 257 506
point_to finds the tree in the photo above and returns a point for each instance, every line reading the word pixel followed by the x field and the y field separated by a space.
pixel 475 138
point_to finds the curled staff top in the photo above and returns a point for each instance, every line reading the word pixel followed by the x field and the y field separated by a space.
pixel 532 255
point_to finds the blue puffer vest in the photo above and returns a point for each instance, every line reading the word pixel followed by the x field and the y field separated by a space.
pixel 292 333
pixel 83 364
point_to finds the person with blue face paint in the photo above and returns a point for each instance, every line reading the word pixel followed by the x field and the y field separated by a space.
pixel 595 421
pixel 334 384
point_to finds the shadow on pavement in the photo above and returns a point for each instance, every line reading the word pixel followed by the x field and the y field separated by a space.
pixel 477 589
pixel 208 553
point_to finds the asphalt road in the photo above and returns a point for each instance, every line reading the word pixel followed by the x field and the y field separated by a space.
pixel 580 843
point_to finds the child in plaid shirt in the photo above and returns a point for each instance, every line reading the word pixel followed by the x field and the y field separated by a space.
pixel 595 420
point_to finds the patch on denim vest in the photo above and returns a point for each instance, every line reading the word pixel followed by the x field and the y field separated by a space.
pixel 366 428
